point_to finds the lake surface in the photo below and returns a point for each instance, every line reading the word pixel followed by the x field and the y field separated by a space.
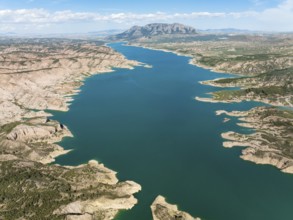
pixel 145 124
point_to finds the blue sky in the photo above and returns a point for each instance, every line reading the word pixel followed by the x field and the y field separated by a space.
pixel 140 6
pixel 68 16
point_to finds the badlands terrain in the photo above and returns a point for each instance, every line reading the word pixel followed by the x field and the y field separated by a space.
pixel 38 75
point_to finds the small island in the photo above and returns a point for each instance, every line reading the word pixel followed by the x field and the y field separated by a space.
pixel 161 210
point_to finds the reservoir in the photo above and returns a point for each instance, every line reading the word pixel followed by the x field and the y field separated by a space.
pixel 146 125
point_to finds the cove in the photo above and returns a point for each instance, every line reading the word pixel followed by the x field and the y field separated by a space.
pixel 145 124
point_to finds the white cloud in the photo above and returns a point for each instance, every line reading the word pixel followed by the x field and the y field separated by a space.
pixel 281 16
pixel 278 18
pixel 43 16
pixel 258 2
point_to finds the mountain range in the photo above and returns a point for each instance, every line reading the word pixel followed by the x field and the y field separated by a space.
pixel 155 29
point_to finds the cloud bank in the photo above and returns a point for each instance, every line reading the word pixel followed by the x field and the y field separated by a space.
pixel 279 18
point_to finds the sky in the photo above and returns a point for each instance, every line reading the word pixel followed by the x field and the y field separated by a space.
pixel 82 16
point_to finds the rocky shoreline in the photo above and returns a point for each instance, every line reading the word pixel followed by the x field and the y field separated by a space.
pixel 270 143
pixel 38 75
pixel 273 146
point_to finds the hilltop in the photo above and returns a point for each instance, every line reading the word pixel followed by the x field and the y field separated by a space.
pixel 155 29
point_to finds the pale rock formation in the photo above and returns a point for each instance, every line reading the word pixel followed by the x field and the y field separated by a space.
pixel 162 210
pixel 271 143
pixel 105 206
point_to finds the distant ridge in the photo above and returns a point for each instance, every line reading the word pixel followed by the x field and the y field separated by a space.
pixel 155 29
pixel 228 31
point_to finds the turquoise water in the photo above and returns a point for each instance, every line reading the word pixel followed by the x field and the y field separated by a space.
pixel 145 124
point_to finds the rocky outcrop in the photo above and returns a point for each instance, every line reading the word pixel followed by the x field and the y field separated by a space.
pixel 33 139
pixel 104 206
pixel 26 133
pixel 162 210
